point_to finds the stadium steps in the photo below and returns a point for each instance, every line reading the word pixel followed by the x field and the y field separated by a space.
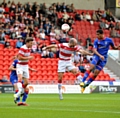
pixel 112 75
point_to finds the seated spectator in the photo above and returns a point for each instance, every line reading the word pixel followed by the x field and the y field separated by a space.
pixel 102 24
pixel 110 17
pixel 34 47
pixel 88 16
pixel 46 54
pixel 88 41
pixel 114 33
pixel 7 44
pixel 19 42
pixel 53 37
pixel 4 79
pixel 83 16
pixel 39 49
pixel 77 58
pixel 99 12
pixel 42 35
pixel 65 15
pixel 117 26
pixel 63 37
pixel 77 16
pixel 47 31
pixel 95 16
pixel 2 37
pixel 111 25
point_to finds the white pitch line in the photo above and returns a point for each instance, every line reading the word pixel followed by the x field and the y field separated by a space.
pixel 68 110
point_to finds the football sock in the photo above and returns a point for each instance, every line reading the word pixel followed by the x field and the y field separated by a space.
pixel 60 86
pixel 18 99
pixel 25 96
pixel 86 75
pixel 19 84
pixel 91 78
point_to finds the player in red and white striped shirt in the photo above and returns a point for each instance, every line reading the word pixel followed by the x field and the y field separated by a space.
pixel 65 52
pixel 22 68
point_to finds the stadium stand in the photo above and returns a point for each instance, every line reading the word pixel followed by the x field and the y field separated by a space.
pixel 47 67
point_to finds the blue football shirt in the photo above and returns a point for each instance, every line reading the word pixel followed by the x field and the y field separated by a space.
pixel 13 72
pixel 102 46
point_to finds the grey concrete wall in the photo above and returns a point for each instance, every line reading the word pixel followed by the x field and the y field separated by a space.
pixel 117 12
pixel 113 66
pixel 79 4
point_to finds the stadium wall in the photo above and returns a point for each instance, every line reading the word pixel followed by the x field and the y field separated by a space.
pixel 113 65
pixel 79 4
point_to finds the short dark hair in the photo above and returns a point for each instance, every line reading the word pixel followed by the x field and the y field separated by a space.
pixel 100 31
pixel 28 39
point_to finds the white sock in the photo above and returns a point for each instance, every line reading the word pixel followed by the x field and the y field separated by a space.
pixel 19 85
pixel 60 88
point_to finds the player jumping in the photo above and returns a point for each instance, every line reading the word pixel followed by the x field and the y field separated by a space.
pixel 101 47
pixel 66 50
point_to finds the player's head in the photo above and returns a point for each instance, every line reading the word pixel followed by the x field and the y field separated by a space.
pixel 29 42
pixel 99 34
pixel 72 42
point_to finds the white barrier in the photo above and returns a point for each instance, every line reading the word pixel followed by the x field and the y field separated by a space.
pixel 103 86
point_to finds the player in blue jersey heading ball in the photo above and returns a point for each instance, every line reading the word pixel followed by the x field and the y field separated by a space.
pixel 99 60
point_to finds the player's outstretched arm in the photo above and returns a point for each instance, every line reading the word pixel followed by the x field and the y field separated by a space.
pixel 85 52
pixel 32 69
pixel 12 68
pixel 50 46
pixel 116 47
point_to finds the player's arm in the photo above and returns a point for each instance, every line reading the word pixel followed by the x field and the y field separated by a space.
pixel 32 69
pixel 50 46
pixel 12 68
pixel 116 47
pixel 21 57
pixel 84 52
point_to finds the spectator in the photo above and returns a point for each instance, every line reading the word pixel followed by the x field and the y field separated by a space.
pixel 42 35
pixel 83 16
pixel 77 58
pixel 88 41
pixel 4 79
pixel 7 44
pixel 117 26
pixel 114 33
pixel 88 16
pixel 53 37
pixel 34 47
pixel 104 24
pixel 110 17
pixel 19 42
pixel 77 16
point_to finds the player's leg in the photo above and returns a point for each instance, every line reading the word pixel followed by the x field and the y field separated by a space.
pixel 24 85
pixel 61 70
pixel 60 76
pixel 94 74
pixel 92 66
pixel 19 83
pixel 25 96
pixel 13 81
pixel 16 100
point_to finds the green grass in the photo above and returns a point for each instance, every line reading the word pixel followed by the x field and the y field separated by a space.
pixel 73 106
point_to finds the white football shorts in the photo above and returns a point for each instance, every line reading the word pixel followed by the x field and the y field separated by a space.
pixel 63 65
pixel 24 70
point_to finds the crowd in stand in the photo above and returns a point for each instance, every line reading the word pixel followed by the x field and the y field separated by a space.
pixel 18 21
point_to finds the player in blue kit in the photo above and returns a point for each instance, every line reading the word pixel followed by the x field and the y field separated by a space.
pixel 99 60
pixel 14 80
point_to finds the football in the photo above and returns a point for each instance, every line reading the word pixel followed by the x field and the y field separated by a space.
pixel 65 27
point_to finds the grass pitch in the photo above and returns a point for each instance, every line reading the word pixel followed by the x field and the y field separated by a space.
pixel 73 106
